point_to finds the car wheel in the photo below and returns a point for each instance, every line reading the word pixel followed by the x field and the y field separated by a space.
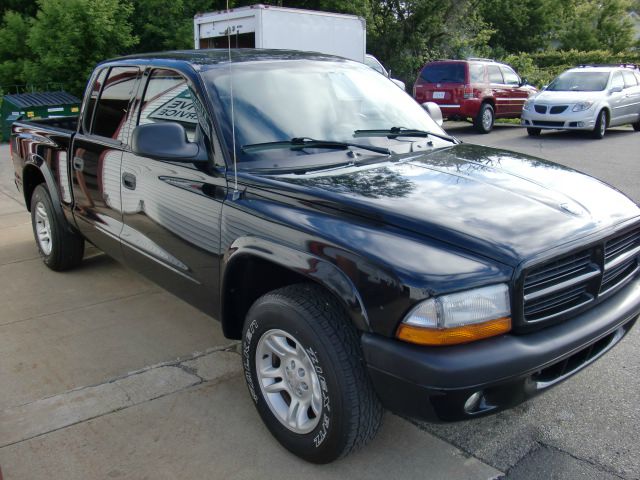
pixel 304 371
pixel 636 126
pixel 59 248
pixel 485 118
pixel 534 132
pixel 601 125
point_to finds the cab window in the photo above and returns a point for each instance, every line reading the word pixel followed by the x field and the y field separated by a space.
pixel 113 105
pixel 168 98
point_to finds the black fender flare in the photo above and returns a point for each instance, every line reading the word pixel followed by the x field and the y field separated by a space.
pixel 36 161
pixel 316 269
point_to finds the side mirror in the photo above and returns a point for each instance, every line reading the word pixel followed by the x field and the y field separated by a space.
pixel 434 112
pixel 613 90
pixel 389 73
pixel 164 141
pixel 523 82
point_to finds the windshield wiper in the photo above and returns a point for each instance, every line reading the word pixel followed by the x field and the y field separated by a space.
pixel 304 142
pixel 395 132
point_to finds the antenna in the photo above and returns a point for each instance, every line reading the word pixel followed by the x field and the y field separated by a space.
pixel 236 194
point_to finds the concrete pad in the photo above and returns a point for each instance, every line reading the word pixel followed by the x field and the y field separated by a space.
pixel 26 287
pixel 54 353
pixel 16 241
pixel 213 431
pixel 49 414
pixel 12 220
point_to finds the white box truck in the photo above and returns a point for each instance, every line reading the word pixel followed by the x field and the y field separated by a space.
pixel 263 26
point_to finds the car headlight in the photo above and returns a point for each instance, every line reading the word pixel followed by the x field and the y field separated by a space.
pixel 582 106
pixel 526 105
pixel 458 317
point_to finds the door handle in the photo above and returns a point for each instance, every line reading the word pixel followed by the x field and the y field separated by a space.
pixel 78 163
pixel 129 180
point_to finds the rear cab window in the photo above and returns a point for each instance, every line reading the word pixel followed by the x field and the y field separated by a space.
pixel 113 104
pixel 92 99
pixel 444 73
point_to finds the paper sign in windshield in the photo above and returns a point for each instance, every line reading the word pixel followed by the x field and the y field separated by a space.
pixel 178 109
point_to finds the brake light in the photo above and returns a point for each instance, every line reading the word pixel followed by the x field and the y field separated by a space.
pixel 468 92
pixel 11 148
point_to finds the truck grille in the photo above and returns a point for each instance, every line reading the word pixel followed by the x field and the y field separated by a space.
pixel 566 284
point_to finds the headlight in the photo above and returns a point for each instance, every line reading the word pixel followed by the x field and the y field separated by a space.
pixel 526 105
pixel 582 106
pixel 459 317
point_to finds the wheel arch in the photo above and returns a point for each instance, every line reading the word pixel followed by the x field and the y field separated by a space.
pixel 255 266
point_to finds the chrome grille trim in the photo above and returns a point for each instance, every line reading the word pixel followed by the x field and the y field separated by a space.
pixel 559 287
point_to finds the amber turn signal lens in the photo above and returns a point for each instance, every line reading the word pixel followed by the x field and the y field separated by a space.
pixel 455 335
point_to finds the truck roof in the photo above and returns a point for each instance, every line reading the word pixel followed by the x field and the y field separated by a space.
pixel 215 56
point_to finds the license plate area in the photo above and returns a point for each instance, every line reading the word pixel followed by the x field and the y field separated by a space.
pixel 438 95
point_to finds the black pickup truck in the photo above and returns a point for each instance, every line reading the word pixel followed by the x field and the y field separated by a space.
pixel 366 259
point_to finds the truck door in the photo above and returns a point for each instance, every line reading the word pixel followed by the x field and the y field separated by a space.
pixel 171 210
pixel 96 155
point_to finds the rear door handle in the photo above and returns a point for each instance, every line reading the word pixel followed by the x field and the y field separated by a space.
pixel 129 180
pixel 78 163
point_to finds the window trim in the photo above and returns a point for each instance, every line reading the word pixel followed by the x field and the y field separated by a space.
pixel 87 131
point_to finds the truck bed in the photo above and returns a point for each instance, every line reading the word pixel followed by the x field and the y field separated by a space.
pixel 66 124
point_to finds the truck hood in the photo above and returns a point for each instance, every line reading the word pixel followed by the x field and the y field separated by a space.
pixel 557 98
pixel 497 203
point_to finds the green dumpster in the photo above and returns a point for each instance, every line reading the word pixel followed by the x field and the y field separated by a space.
pixel 35 105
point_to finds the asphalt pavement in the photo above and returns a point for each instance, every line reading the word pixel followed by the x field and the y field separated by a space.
pixel 104 375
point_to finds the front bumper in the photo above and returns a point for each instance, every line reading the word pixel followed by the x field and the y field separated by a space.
pixel 435 383
pixel 568 120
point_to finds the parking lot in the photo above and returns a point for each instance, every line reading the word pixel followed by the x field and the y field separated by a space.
pixel 104 375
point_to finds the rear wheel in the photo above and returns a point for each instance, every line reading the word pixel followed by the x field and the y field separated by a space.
pixel 601 125
pixel 534 132
pixel 484 119
pixel 59 248
pixel 304 370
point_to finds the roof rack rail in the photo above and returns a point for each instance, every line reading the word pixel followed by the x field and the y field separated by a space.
pixel 481 59
pixel 621 65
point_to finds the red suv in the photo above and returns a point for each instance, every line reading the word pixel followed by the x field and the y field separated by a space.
pixel 477 88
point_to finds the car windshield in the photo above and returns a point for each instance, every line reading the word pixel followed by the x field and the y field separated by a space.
pixel 443 73
pixel 579 82
pixel 324 100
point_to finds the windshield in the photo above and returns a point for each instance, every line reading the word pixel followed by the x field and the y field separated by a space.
pixel 580 82
pixel 325 100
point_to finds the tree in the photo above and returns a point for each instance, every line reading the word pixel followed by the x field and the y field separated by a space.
pixel 13 50
pixel 599 25
pixel 68 38
pixel 404 35
pixel 171 30
pixel 523 25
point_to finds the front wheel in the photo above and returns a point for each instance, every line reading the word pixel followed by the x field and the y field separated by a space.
pixel 304 371
pixel 534 132
pixel 601 125
pixel 636 126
